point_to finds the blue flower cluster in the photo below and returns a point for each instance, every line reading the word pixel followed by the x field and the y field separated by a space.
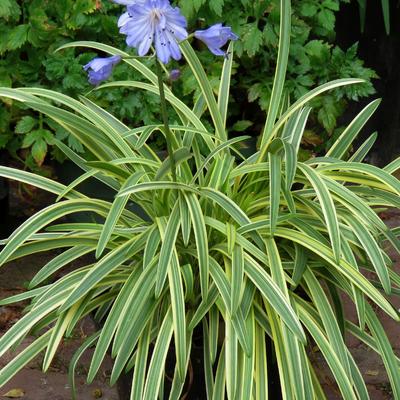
pixel 156 23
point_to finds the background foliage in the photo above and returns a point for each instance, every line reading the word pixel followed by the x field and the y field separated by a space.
pixel 31 31
pixel 29 34
pixel 314 58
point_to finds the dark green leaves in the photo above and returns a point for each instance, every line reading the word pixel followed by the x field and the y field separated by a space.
pixel 25 124
pixel 38 140
pixel 17 37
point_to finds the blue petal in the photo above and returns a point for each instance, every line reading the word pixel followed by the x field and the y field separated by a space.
pixel 123 19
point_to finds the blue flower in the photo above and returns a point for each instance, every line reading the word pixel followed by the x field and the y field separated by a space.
pixel 154 21
pixel 215 37
pixel 100 69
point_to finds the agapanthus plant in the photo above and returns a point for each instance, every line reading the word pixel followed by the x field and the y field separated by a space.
pixel 241 249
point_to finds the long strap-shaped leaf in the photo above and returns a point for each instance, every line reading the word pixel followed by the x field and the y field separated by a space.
pixel 291 346
pixel 77 106
pixel 328 319
pixel 92 114
pixel 23 358
pixel 218 149
pixel 204 307
pixel 45 217
pixel 393 166
pixel 275 177
pixel 57 334
pixel 147 186
pixel 114 214
pixel 107 264
pixel 139 373
pixel 58 262
pixel 344 267
pixel 176 290
pixel 177 383
pixel 25 324
pixel 118 128
pixel 330 356
pixel 260 364
pixel 38 181
pixel 157 363
pixel 167 247
pixel 386 15
pixel 238 321
pixel 200 234
pixel 205 87
pixel 175 102
pixel 280 72
pixel 373 251
pixel 84 130
pixel 82 164
pixel 231 358
pixel 246 244
pixel 282 358
pixel 112 323
pixel 388 181
pixel 224 86
pixel 74 361
pixel 327 205
pixel 237 278
pixel 364 149
pixel 270 290
pixel 303 101
pixel 137 314
pixel 344 141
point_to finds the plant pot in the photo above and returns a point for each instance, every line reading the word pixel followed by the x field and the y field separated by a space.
pixel 195 385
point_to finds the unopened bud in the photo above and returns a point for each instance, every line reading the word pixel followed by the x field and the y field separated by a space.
pixel 175 74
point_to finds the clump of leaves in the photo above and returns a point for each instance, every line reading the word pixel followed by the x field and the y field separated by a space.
pixel 243 248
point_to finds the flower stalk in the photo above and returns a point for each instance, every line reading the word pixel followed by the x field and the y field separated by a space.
pixel 167 131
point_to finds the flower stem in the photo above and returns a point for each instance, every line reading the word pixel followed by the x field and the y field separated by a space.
pixel 168 134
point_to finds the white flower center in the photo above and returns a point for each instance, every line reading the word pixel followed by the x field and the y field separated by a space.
pixel 155 15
